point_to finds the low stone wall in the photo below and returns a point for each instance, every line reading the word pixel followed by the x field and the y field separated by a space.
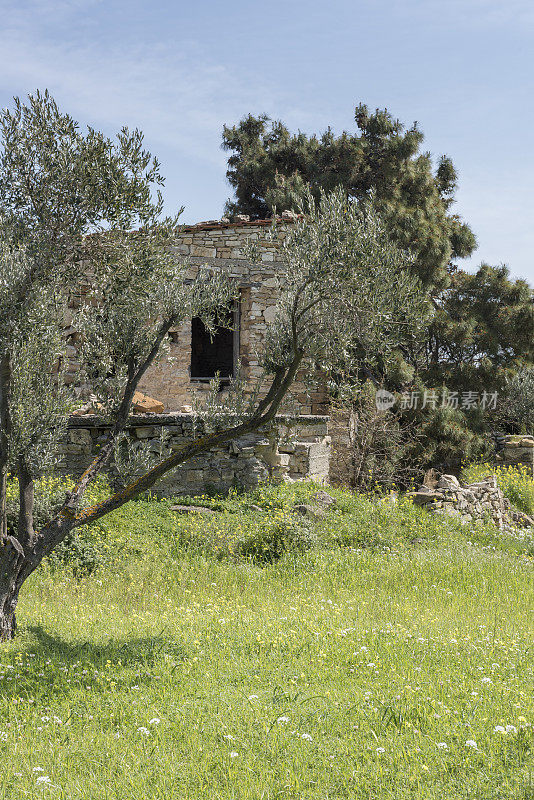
pixel 292 449
pixel 514 451
pixel 482 500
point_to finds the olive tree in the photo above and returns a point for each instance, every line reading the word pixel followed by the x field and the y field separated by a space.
pixel 70 204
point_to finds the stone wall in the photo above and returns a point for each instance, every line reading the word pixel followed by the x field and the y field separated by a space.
pixel 292 449
pixel 482 501
pixel 221 244
pixel 515 451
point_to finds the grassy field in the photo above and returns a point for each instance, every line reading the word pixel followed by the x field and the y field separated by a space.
pixel 391 659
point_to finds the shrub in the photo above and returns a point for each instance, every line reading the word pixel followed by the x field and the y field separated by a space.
pixel 516 404
pixel 84 549
pixel 250 535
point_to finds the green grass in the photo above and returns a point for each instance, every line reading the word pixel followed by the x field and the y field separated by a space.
pixel 359 668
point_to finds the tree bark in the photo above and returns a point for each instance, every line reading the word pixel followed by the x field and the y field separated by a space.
pixel 11 562
pixel 5 429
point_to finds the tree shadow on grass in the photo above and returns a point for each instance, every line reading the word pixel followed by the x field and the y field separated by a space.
pixel 50 666
pixel 133 650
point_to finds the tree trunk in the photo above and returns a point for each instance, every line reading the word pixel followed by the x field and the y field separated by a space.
pixel 11 568
pixel 3 503
pixel 21 555
pixel 5 430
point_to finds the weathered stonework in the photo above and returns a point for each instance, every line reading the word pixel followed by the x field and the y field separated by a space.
pixel 297 447
pixel 516 451
pixel 221 244
pixel 292 449
pixel 482 501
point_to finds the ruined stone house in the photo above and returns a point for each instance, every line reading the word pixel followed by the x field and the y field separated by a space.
pixel 297 447
pixel 195 357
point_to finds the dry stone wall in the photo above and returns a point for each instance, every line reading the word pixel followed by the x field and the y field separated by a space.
pixel 515 451
pixel 292 449
pixel 482 501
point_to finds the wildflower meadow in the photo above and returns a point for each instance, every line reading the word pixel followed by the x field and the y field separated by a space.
pixel 377 652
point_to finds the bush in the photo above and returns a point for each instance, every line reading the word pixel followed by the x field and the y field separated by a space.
pixel 516 406
pixel 371 446
pixel 84 548
pixel 248 534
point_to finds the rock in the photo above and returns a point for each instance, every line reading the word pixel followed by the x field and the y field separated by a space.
pixel 323 498
pixel 425 496
pixel 193 510
pixel 270 313
pixel 448 482
pixel 522 519
pixel 83 410
pixel 145 432
pixel 424 489
pixel 146 405
pixel 431 479
pixel 307 510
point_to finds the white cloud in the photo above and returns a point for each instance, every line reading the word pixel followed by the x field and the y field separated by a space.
pixel 174 92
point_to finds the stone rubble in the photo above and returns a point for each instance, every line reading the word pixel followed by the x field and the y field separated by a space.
pixel 482 501
pixel 515 451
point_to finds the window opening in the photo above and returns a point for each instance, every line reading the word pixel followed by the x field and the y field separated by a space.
pixel 217 351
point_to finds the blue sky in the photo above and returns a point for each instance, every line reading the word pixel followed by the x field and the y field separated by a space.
pixel 464 69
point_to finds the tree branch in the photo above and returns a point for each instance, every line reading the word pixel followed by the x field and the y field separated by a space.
pixel 121 419
pixel 277 391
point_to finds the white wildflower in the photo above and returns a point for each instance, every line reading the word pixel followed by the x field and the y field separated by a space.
pixel 154 721
pixel 511 729
pixel 380 749
pixel 282 720
pixel 144 731
pixel 442 745
pixel 471 743
pixel 234 754
pixel 499 729
pixel 306 736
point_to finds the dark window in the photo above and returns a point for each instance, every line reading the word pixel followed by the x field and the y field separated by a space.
pixel 214 352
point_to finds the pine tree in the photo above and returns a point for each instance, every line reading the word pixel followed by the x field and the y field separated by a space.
pixel 270 167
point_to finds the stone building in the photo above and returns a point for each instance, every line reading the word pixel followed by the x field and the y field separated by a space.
pixel 194 356
pixel 296 446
